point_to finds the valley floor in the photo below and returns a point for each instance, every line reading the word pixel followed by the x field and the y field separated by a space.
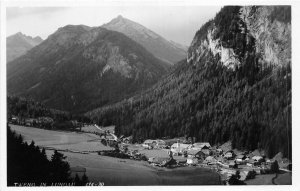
pixel 113 171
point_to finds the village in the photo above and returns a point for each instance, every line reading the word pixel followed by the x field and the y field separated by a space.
pixel 172 153
pixel 231 164
pixel 226 161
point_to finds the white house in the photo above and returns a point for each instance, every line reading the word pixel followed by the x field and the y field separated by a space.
pixel 257 158
pixel 201 145
pixel 159 143
pixel 148 143
pixel 192 160
pixel 180 147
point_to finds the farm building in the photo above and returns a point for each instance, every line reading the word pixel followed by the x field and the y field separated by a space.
pixel 124 147
pixel 149 144
pixel 229 154
pixel 256 153
pixel 179 148
pixel 196 154
pixel 192 161
pixel 253 163
pixel 258 158
pixel 159 143
pixel 127 139
pixel 232 164
pixel 30 122
pixel 240 158
pixel 201 145
pixel 226 147
pixel 134 153
pixel 206 150
pixel 161 161
pixel 219 151
pixel 210 160
pixel 14 120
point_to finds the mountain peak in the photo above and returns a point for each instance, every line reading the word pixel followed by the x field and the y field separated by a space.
pixel 19 34
pixel 119 20
pixel 18 44
pixel 154 43
pixel 27 37
pixel 120 17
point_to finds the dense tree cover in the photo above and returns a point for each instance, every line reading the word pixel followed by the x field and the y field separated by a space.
pixel 250 105
pixel 66 70
pixel 82 181
pixel 28 164
pixel 28 108
pixel 212 104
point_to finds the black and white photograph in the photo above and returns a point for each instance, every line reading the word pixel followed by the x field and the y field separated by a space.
pixel 147 94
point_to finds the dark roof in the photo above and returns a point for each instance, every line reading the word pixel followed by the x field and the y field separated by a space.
pixel 205 147
pixel 240 156
pixel 194 152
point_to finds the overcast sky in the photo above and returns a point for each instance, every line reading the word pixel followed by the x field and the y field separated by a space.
pixel 177 23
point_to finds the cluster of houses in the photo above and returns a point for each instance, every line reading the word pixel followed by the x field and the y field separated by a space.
pixel 203 153
pixel 154 144
pixel 45 122
pixel 217 157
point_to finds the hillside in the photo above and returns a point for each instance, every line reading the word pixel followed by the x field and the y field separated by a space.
pixel 235 85
pixel 170 52
pixel 79 68
pixel 18 44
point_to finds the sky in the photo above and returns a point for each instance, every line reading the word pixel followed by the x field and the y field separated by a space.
pixel 176 23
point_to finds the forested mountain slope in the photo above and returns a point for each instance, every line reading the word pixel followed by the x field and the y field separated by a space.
pixel 235 85
pixel 79 68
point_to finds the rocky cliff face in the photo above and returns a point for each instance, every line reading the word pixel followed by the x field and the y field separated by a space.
pixel 227 55
pixel 272 36
pixel 18 44
pixel 253 30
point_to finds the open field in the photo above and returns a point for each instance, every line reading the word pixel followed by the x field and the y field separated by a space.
pixel 284 178
pixel 61 139
pixel 263 179
pixel 93 129
pixel 114 171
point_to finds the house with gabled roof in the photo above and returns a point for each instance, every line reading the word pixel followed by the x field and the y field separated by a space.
pixel 201 145
pixel 196 154
pixel 179 148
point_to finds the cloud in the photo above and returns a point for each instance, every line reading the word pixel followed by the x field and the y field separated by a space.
pixel 16 12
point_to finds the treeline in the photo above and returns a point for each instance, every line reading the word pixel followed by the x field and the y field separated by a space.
pixel 250 105
pixel 28 164
pixel 28 108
